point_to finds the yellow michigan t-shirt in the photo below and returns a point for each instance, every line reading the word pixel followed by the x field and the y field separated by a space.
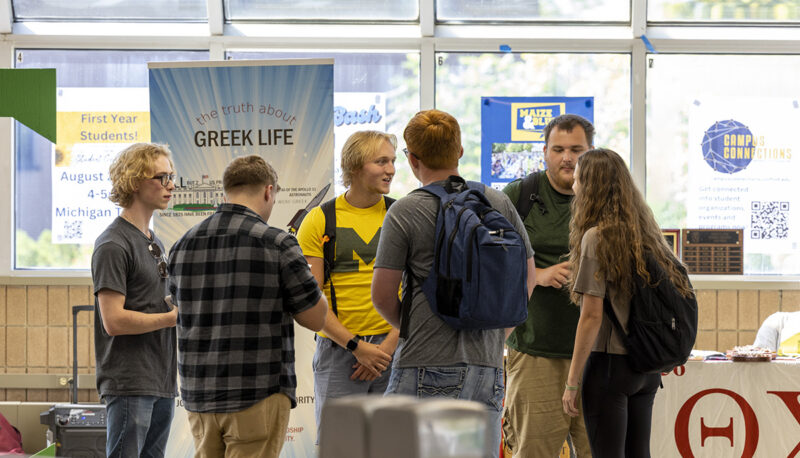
pixel 357 235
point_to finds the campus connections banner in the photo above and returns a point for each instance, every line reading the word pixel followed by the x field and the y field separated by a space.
pixel 212 112
pixel 512 133
pixel 742 174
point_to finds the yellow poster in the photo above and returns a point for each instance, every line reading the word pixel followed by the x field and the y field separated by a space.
pixel 90 134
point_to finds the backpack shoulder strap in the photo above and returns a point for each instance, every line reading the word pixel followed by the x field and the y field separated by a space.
pixel 329 247
pixel 638 282
pixel 612 315
pixel 435 189
pixel 405 304
pixel 528 194
pixel 451 187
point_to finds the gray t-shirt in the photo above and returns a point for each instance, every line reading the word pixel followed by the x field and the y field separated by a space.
pixel 132 365
pixel 589 281
pixel 407 238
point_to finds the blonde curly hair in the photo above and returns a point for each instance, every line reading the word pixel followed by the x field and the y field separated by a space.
pixel 132 165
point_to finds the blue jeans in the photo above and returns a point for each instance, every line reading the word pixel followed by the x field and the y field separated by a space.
pixel 138 426
pixel 475 383
pixel 333 366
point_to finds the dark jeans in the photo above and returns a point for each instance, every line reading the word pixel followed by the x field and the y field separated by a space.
pixel 617 407
pixel 138 426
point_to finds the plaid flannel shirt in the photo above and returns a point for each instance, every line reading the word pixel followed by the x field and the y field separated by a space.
pixel 237 282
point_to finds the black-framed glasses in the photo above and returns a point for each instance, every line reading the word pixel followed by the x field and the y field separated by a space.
pixel 407 152
pixel 155 250
pixel 165 179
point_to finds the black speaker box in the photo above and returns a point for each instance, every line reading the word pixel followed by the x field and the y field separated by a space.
pixel 81 443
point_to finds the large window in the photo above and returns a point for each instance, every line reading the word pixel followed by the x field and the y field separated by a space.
pixel 525 10
pixel 322 10
pixel 722 150
pixel 713 71
pixel 61 194
pixel 463 78
pixel 724 10
pixel 127 10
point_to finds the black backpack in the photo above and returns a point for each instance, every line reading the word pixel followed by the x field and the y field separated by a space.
pixel 329 246
pixel 662 326
pixel 529 195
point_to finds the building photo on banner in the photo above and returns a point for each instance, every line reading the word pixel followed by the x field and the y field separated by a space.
pixel 742 172
pixel 512 133
pixel 212 112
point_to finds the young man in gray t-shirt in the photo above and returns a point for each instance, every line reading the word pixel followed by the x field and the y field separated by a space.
pixel 134 326
pixel 436 359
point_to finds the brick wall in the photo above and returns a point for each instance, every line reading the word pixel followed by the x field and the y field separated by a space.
pixel 36 337
pixel 36 329
pixel 732 317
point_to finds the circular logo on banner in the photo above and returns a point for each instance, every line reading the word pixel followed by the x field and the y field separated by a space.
pixel 728 146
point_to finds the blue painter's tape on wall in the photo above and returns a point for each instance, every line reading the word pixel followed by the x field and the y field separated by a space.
pixel 648 45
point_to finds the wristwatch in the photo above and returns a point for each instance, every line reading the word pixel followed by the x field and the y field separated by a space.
pixel 352 344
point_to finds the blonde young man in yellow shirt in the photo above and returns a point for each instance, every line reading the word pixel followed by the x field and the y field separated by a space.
pixel 354 349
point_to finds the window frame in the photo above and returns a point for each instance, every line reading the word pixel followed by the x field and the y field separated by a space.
pixel 217 36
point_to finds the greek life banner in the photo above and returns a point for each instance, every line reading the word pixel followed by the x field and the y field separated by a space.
pixel 512 133
pixel 212 112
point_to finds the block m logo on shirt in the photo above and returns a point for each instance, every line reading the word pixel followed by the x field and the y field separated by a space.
pixel 348 245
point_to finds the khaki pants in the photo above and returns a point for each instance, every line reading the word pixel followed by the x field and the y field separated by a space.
pixel 534 421
pixel 258 430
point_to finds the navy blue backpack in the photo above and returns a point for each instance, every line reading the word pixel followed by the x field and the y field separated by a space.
pixel 479 275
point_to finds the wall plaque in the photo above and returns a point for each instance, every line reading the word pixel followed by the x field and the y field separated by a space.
pixel 713 251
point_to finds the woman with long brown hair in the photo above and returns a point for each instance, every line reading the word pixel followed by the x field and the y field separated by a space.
pixel 612 233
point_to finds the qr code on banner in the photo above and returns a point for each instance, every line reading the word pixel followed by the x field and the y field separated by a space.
pixel 72 230
pixel 769 220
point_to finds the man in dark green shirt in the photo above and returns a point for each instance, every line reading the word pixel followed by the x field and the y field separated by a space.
pixel 540 350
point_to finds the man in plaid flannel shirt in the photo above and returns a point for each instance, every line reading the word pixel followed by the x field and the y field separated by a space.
pixel 238 283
